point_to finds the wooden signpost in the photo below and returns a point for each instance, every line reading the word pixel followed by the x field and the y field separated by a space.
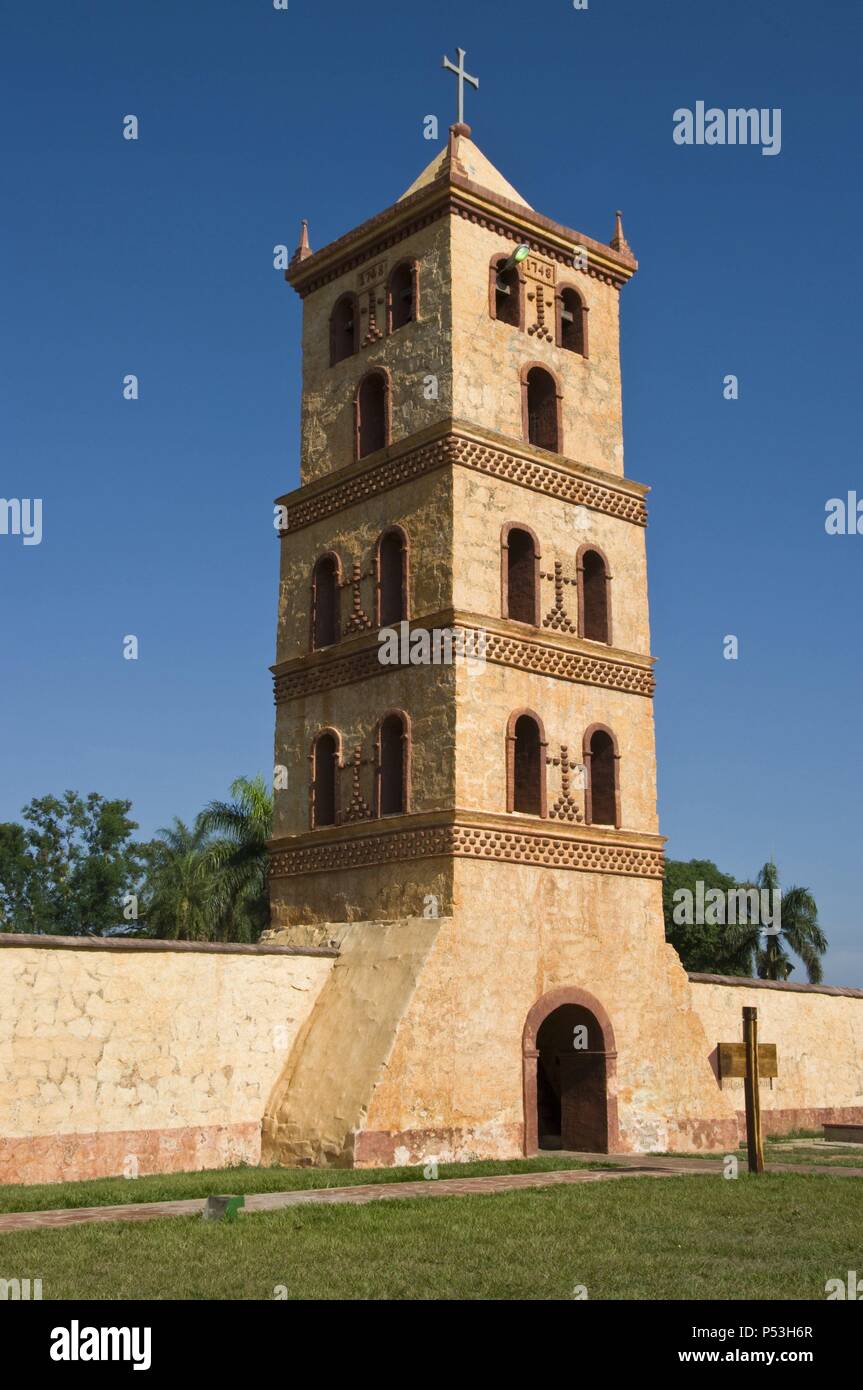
pixel 750 1061
pixel 754 1142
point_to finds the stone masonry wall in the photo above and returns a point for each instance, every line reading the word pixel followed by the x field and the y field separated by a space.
pixel 423 508
pixel 321 1101
pixel 453 1086
pixel 819 1039
pixel 118 1060
pixel 481 507
pixel 488 356
pixel 411 354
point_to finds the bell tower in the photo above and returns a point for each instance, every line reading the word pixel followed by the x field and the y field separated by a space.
pixel 473 805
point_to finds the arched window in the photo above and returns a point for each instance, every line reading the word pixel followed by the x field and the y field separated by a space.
pixel 571 320
pixel 602 794
pixel 505 293
pixel 391 574
pixel 525 764
pixel 541 409
pixel 392 770
pixel 402 295
pixel 344 327
pixel 594 595
pixel 520 574
pixel 372 413
pixel 325 766
pixel 326 582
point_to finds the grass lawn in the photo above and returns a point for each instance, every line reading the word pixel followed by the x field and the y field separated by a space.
pixel 171 1187
pixel 166 1187
pixel 849 1156
pixel 777 1236
pixel 836 1156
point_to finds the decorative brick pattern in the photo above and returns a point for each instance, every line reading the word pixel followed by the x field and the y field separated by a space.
pixel 465 841
pixel 539 477
pixel 565 807
pixel 518 652
pixel 536 296
pixel 557 617
pixel 373 333
pixel 504 228
pixel 359 620
pixel 453 449
pixel 379 478
pixel 355 853
pixel 350 260
pixel 310 680
pixel 570 666
pixel 386 229
pixel 357 808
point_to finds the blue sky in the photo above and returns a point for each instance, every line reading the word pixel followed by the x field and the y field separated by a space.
pixel 155 257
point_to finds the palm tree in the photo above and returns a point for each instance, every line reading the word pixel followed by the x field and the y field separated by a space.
pixel 799 931
pixel 182 892
pixel 237 854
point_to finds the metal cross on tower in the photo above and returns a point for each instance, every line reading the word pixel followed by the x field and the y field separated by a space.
pixel 463 76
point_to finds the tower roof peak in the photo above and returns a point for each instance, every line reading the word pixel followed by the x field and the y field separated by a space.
pixel 462 156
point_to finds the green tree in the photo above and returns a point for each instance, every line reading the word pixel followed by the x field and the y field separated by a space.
pixel 69 868
pixel 181 900
pixel 706 947
pixel 237 851
pixel 16 879
pixel 800 932
pixel 744 948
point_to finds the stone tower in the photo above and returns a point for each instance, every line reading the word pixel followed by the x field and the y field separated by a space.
pixel 479 835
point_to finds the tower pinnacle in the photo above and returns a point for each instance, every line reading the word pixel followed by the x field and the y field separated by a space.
pixel 303 250
pixel 618 241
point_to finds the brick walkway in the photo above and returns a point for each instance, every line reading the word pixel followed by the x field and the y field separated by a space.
pixel 313 1196
pixel 617 1166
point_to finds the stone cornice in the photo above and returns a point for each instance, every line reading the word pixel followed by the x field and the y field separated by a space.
pixel 506 643
pixel 790 986
pixel 468 834
pixel 452 442
pixel 456 195
pixel 542 234
pixel 121 945
pixel 566 658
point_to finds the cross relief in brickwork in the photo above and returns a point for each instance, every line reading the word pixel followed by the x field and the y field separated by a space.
pixel 543 301
pixel 540 275
pixel 372 296
pixel 370 311
pixel 557 616
pixel 357 808
pixel 572 775
pixel 358 620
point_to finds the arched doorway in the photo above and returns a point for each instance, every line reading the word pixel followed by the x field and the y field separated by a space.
pixel 569 1075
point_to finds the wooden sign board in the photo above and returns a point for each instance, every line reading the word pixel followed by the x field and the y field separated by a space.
pixel 732 1060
